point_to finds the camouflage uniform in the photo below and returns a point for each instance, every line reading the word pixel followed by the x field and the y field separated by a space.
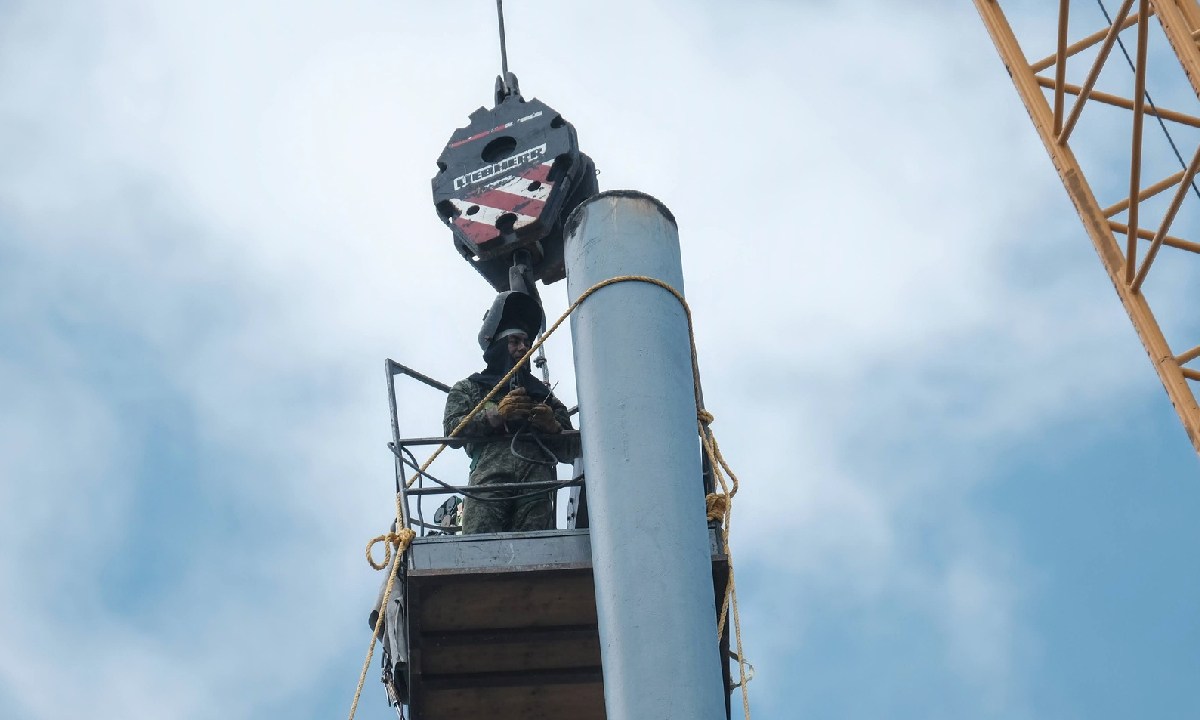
pixel 495 462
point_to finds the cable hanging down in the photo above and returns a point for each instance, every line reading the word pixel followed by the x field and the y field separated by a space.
pixel 507 83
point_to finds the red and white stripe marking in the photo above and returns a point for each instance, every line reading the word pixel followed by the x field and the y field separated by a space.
pixel 512 195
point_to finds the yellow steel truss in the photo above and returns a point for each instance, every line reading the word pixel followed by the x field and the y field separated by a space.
pixel 1129 250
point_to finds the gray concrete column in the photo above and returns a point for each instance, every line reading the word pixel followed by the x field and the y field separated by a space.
pixel 637 409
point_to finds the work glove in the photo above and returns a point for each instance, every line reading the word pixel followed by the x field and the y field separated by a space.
pixel 541 417
pixel 491 415
pixel 515 406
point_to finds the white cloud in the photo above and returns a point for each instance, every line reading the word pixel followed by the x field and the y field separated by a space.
pixel 244 192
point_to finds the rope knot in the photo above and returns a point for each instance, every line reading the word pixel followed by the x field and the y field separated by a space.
pixel 400 539
pixel 715 505
pixel 705 417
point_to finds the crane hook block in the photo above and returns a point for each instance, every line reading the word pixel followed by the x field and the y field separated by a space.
pixel 506 182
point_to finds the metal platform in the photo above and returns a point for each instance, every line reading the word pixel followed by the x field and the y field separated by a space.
pixel 504 626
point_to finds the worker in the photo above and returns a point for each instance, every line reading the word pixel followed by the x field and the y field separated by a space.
pixel 525 417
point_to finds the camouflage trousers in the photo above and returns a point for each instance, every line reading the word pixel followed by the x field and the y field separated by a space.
pixel 503 511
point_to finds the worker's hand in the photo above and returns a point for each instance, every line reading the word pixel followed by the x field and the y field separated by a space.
pixel 515 406
pixel 541 417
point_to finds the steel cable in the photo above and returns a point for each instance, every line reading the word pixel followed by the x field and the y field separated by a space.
pixel 1161 124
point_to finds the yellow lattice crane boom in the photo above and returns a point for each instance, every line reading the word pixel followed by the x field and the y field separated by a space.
pixel 1091 97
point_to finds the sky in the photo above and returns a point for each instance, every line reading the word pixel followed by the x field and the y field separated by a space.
pixel 964 492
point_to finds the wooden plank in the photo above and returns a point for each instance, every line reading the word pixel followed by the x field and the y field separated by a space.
pixel 493 601
pixel 518 680
pixel 501 637
pixel 519 650
pixel 552 701
pixel 504 627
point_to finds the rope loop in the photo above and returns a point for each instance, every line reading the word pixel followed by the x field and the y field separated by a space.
pixel 400 540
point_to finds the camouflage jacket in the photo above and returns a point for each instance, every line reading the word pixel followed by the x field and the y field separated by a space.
pixel 489 460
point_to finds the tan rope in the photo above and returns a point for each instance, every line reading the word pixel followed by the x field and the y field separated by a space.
pixel 401 539
pixel 405 537
pixel 724 501
pixel 703 419
pixel 714 506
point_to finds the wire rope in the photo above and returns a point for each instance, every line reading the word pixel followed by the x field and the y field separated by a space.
pixel 479 488
pixel 503 48
pixel 1161 124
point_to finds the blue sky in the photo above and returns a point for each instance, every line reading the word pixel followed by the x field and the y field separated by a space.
pixel 965 493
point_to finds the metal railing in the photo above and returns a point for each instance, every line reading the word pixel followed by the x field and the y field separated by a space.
pixel 406 461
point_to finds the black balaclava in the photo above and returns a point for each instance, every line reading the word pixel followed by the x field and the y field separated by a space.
pixel 499 362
